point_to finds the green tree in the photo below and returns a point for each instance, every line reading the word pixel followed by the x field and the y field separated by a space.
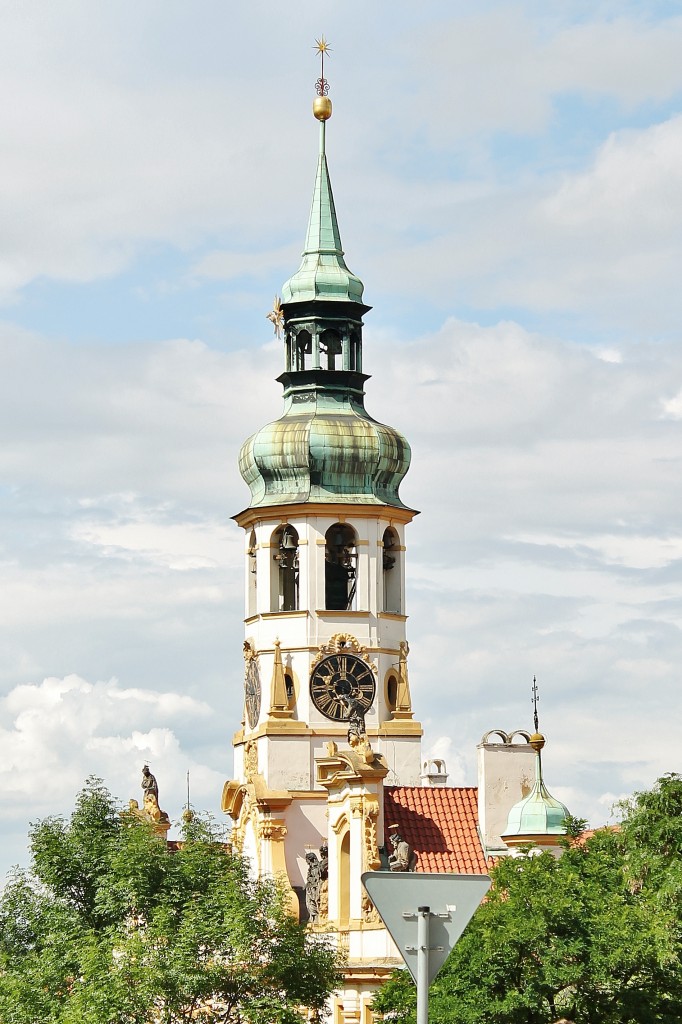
pixel 111 926
pixel 594 936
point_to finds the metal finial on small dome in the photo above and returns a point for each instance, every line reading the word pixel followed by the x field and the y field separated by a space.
pixel 322 105
pixel 537 740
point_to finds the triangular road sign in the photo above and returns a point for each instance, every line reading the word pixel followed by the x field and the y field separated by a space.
pixel 452 900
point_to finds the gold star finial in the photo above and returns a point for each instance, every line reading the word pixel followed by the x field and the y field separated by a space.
pixel 322 47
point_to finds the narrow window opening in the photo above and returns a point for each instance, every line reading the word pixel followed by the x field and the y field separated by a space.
pixel 330 346
pixel 252 586
pixel 391 573
pixel 355 351
pixel 304 347
pixel 344 878
pixel 285 578
pixel 340 567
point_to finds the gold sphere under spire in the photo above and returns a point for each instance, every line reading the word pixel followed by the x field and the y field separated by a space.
pixel 537 741
pixel 322 108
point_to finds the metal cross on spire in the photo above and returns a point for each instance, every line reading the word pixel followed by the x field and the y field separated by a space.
pixel 535 698
pixel 322 85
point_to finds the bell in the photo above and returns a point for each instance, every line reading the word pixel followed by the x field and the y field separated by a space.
pixel 288 543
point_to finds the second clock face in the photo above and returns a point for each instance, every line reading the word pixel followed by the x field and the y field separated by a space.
pixel 340 675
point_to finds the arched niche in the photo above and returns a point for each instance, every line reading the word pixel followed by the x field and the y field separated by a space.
pixel 330 350
pixel 290 687
pixel 340 567
pixel 344 877
pixel 391 572
pixel 284 588
pixel 252 585
pixel 302 350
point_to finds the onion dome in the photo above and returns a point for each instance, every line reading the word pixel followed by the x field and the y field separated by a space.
pixel 538 814
pixel 325 449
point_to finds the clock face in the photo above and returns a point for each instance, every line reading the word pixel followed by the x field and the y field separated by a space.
pixel 252 692
pixel 340 675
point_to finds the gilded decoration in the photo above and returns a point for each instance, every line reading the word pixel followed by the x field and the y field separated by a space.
pixel 343 643
pixel 356 806
pixel 371 857
pixel 250 761
pixel 272 830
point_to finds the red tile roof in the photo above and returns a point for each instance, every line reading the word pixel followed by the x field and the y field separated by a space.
pixel 441 825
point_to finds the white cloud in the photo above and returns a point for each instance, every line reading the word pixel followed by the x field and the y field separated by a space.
pixel 55 733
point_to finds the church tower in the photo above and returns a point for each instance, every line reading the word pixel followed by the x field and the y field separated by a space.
pixel 328 719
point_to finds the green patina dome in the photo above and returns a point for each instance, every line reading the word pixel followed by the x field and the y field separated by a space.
pixel 539 813
pixel 325 449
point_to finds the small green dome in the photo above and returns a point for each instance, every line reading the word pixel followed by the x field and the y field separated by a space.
pixel 325 448
pixel 539 813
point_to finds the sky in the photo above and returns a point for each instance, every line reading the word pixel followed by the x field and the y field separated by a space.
pixel 508 182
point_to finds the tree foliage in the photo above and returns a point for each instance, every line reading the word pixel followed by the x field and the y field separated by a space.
pixel 112 927
pixel 594 936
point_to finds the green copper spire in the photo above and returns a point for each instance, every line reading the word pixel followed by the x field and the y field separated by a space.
pixel 325 447
pixel 323 273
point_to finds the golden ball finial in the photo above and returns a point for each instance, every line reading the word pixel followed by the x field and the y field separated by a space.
pixel 537 741
pixel 322 108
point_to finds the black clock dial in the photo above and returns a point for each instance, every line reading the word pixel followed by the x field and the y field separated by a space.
pixel 252 692
pixel 340 675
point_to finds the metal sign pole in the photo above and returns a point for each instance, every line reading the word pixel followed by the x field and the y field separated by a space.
pixel 423 917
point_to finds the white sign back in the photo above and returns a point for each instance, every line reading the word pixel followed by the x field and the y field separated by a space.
pixel 451 899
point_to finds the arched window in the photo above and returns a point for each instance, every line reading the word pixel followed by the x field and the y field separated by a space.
pixel 284 582
pixel 304 347
pixel 252 588
pixel 344 877
pixel 340 567
pixel 330 346
pixel 391 572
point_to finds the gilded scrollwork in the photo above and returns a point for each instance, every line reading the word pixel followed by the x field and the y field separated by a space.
pixel 372 858
pixel 273 830
pixel 250 760
pixel 343 643
pixel 356 806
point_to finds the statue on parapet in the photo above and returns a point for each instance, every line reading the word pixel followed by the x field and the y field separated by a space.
pixel 150 810
pixel 149 784
pixel 402 857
